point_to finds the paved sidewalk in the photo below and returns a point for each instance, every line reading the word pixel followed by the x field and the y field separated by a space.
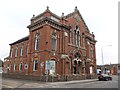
pixel 73 81
pixel 18 83
pixel 76 81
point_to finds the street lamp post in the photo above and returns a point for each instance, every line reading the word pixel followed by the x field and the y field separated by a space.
pixel 102 57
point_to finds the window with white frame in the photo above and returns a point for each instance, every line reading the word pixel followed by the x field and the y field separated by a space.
pixel 20 66
pixel 54 41
pixel 77 36
pixel 11 53
pixel 21 51
pixel 91 69
pixel 37 42
pixel 35 66
pixel 16 51
pixel 14 67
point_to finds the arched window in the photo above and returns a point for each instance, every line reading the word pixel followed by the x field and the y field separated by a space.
pixel 11 52
pixel 35 66
pixel 77 36
pixel 16 51
pixel 91 69
pixel 21 51
pixel 37 42
pixel 77 63
pixel 91 52
pixel 20 66
pixel 69 36
pixel 75 67
pixel 14 67
pixel 77 55
pixel 83 40
pixel 54 41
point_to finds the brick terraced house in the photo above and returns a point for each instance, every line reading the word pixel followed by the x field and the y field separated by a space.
pixel 56 46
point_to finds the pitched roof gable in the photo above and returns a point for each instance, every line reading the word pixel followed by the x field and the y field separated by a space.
pixel 42 14
pixel 76 11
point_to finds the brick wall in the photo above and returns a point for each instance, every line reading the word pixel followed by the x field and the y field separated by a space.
pixel 45 27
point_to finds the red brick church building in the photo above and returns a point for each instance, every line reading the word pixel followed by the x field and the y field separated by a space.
pixel 56 46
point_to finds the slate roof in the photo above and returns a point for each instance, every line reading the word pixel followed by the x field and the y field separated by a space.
pixel 20 40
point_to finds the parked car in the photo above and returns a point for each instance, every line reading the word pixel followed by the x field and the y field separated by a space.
pixel 104 77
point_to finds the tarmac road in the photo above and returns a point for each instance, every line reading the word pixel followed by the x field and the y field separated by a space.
pixel 89 83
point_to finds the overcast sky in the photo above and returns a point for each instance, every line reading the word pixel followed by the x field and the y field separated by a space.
pixel 101 17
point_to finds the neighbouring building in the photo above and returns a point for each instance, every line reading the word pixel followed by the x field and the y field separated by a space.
pixel 56 46
pixel 113 69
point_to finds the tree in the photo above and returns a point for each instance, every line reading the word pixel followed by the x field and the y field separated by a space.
pixel 1 63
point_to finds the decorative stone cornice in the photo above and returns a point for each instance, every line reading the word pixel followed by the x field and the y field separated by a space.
pixel 49 22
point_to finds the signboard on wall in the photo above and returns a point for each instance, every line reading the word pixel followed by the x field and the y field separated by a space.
pixel 50 65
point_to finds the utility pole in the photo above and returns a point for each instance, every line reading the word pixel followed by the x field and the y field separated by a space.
pixel 102 58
